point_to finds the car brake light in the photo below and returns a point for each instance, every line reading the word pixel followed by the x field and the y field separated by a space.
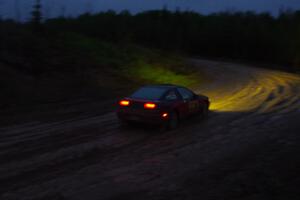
pixel 124 103
pixel 149 105
pixel 165 115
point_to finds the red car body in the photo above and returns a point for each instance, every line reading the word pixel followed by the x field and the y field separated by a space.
pixel 160 104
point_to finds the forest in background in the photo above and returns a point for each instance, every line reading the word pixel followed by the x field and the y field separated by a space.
pixel 244 36
pixel 241 36
pixel 68 58
pixel 40 64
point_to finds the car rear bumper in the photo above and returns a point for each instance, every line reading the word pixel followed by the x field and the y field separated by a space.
pixel 149 117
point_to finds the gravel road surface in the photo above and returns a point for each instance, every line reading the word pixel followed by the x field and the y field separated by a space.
pixel 247 149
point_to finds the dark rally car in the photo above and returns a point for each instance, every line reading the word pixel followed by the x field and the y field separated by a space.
pixel 162 104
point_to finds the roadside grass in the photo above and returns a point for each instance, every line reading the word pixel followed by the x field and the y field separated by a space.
pixel 134 64
pixel 156 74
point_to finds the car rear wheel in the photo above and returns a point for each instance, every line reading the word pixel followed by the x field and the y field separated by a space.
pixel 173 120
pixel 205 111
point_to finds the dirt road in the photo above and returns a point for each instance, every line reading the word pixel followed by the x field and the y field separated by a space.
pixel 247 149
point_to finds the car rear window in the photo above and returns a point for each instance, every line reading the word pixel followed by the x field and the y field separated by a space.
pixel 149 93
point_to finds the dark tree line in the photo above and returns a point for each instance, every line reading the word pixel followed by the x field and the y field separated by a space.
pixel 237 35
pixel 245 36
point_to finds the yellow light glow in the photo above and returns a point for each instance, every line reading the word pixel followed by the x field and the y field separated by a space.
pixel 257 90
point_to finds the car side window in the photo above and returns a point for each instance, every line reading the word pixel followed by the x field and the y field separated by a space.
pixel 171 96
pixel 186 94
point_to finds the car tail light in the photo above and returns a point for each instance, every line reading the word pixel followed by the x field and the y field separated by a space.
pixel 165 115
pixel 124 103
pixel 149 105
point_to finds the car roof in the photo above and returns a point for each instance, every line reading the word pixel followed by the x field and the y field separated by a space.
pixel 165 86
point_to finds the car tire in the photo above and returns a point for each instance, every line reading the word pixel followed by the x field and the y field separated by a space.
pixel 173 121
pixel 205 111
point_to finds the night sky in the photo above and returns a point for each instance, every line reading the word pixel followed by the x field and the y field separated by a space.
pixel 52 8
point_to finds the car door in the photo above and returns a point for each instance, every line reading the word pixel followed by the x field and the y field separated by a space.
pixel 173 101
pixel 191 103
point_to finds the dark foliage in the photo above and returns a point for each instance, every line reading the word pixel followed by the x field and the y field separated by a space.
pixel 238 35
